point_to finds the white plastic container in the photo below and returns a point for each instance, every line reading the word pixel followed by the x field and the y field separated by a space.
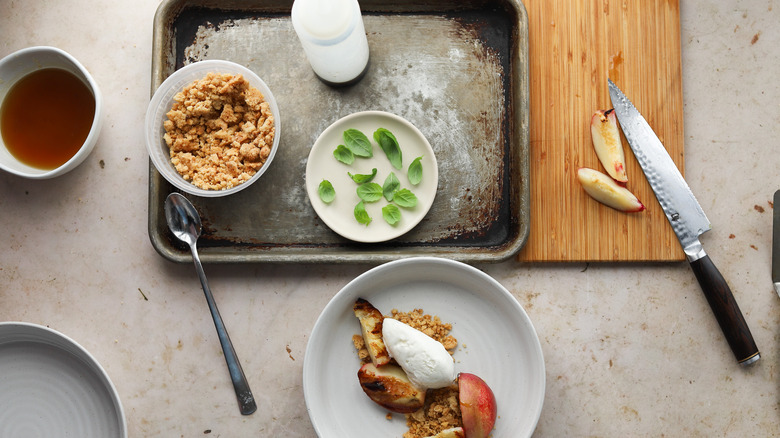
pixel 161 103
pixel 333 38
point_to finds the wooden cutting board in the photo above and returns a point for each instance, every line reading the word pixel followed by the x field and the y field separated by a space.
pixel 574 46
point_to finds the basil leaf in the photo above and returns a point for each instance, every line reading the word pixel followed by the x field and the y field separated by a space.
pixel 369 192
pixel 391 185
pixel 363 178
pixel 389 144
pixel 415 171
pixel 405 198
pixel 358 143
pixel 327 192
pixel 361 215
pixel 391 213
pixel 344 155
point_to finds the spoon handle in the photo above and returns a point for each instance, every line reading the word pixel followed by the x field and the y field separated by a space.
pixel 246 401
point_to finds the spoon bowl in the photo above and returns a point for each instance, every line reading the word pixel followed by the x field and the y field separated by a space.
pixel 184 222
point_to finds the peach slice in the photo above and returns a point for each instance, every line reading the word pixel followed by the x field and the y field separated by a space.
pixel 371 327
pixel 477 406
pixel 605 190
pixel 454 432
pixel 389 387
pixel 606 142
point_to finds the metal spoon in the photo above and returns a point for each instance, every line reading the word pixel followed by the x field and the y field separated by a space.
pixel 184 222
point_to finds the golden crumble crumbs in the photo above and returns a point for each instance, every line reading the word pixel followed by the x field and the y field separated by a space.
pixel 441 412
pixel 430 325
pixel 360 346
pixel 220 131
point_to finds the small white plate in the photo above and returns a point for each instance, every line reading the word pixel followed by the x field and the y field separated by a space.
pixel 339 214
pixel 496 341
pixel 52 387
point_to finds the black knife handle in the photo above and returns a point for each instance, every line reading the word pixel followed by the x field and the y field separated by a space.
pixel 726 310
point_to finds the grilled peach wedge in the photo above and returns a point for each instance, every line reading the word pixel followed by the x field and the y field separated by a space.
pixel 389 387
pixel 605 190
pixel 606 142
pixel 371 328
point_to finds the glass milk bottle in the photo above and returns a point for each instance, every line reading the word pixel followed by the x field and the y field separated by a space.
pixel 333 38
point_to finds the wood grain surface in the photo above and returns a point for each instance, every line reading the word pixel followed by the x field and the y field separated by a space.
pixel 574 46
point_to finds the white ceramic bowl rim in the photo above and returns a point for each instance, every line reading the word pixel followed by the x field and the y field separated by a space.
pixel 160 104
pixel 81 72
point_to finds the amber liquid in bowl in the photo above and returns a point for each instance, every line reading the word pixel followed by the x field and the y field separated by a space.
pixel 46 116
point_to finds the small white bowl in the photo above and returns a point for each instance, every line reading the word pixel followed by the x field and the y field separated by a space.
pixel 162 102
pixel 25 61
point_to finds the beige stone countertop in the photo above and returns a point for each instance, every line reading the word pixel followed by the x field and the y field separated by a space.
pixel 630 349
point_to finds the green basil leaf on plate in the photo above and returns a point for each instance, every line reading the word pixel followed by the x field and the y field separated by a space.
pixel 390 186
pixel 405 198
pixel 361 215
pixel 327 192
pixel 363 178
pixel 344 155
pixel 415 171
pixel 390 146
pixel 391 213
pixel 358 143
pixel 369 192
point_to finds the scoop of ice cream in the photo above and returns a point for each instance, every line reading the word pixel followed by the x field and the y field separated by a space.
pixel 424 359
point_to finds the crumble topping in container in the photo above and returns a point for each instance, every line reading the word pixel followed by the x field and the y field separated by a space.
pixel 220 131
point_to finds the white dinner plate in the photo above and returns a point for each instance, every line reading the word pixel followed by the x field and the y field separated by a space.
pixel 496 341
pixel 52 387
pixel 339 214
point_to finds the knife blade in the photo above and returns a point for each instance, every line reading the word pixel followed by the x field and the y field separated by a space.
pixel 688 221
pixel 776 243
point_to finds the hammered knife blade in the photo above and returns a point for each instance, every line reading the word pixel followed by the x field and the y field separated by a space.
pixel 688 221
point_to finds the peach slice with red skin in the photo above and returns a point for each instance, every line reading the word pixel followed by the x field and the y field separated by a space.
pixel 477 406
pixel 606 141
pixel 605 190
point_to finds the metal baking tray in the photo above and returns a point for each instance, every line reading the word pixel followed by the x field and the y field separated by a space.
pixel 456 70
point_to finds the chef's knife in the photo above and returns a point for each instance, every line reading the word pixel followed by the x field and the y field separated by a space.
pixel 776 243
pixel 687 220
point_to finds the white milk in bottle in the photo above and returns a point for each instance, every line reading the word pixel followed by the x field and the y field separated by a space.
pixel 333 38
